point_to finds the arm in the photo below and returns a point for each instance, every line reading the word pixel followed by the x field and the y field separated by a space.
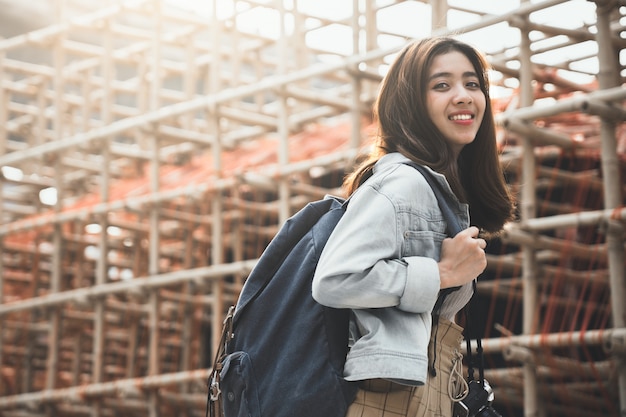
pixel 361 265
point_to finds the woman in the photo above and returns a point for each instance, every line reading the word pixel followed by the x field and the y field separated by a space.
pixel 389 258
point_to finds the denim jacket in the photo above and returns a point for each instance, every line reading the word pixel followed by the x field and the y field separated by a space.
pixel 381 262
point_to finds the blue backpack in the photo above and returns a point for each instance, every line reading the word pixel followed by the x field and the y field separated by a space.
pixel 282 353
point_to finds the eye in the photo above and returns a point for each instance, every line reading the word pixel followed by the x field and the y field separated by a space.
pixel 473 85
pixel 442 85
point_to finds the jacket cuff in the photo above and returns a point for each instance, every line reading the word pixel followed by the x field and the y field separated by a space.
pixel 422 285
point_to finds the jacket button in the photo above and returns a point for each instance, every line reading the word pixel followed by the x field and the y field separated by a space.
pixel 231 396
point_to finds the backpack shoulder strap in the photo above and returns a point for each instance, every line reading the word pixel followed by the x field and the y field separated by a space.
pixel 281 245
pixel 452 220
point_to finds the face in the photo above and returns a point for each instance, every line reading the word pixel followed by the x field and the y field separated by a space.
pixel 454 100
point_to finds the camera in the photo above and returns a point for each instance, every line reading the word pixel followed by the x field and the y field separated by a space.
pixel 477 403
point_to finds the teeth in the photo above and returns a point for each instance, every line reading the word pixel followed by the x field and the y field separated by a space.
pixel 461 117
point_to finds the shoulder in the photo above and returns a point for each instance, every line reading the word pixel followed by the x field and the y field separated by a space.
pixel 393 176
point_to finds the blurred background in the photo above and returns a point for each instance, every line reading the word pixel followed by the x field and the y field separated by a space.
pixel 150 149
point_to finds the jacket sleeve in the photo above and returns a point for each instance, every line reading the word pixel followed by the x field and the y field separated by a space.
pixel 361 265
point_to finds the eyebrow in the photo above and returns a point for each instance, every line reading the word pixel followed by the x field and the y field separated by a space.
pixel 466 74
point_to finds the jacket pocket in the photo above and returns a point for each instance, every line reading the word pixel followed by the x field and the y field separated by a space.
pixel 422 243
pixel 239 387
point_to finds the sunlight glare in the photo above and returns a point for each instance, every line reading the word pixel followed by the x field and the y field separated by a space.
pixel 12 174
pixel 48 196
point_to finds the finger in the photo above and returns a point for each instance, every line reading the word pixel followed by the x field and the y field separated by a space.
pixel 471 231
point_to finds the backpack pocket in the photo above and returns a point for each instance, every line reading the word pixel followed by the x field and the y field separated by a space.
pixel 240 396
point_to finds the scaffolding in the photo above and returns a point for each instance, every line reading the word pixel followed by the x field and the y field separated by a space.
pixel 149 153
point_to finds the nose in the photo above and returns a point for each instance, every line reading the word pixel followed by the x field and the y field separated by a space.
pixel 461 95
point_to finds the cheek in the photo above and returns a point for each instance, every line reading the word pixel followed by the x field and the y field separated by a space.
pixel 434 107
pixel 436 116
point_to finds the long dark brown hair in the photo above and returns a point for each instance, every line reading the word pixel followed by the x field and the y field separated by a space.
pixel 476 177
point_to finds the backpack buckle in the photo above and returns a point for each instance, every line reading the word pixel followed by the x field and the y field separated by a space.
pixel 214 388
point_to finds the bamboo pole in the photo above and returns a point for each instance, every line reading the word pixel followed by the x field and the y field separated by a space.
pixel 540 136
pixel 155 71
pixel 537 242
pixel 609 77
pixel 602 337
pixel 124 386
pixel 116 388
pixel 54 332
pixel 274 82
pixel 44 35
pixel 583 218
pixel 282 125
pixel 84 295
pixel 572 104
pixel 180 136
pixel 99 325
pixel 355 80
pixel 528 207
pixel 3 140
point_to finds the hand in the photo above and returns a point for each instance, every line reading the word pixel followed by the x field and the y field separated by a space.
pixel 462 258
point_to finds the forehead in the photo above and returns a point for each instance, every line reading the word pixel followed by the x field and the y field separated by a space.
pixel 453 62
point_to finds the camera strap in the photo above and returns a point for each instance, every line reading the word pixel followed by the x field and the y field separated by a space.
pixel 479 359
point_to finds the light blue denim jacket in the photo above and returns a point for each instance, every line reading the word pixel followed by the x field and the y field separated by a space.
pixel 381 261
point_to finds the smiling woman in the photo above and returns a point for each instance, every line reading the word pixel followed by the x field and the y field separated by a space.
pixel 390 259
